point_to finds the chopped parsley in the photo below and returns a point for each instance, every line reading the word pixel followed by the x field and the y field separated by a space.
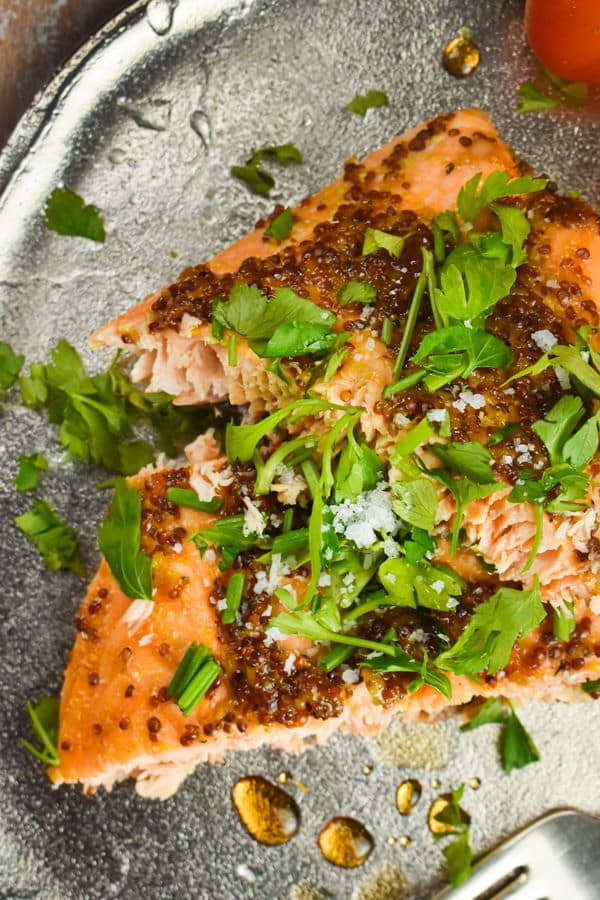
pixel 56 541
pixel 495 626
pixel 30 468
pixel 285 326
pixel 195 674
pixel 43 716
pixel 458 853
pixel 555 91
pixel 11 364
pixel 256 178
pixel 360 103
pixel 119 538
pixel 281 226
pixel 476 194
pixel 97 414
pixel 375 240
pixel 189 498
pixel 356 292
pixel 67 213
pixel 516 746
pixel 230 538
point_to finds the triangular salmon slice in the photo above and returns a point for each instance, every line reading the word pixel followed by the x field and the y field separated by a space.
pixel 117 719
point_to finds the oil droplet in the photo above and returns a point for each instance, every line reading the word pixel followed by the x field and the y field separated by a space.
pixel 302 787
pixel 201 125
pixel 268 813
pixel 408 795
pixel 117 155
pixel 439 805
pixel 405 840
pixel 460 56
pixel 160 15
pixel 367 768
pixel 435 784
pixel 475 783
pixel 392 840
pixel 285 777
pixel 345 842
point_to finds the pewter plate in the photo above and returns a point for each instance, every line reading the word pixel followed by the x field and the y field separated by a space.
pixel 145 121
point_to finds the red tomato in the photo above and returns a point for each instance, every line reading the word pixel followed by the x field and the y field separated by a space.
pixel 565 37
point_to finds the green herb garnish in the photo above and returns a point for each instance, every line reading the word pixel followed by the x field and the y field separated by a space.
pixel 11 364
pixel 516 747
pixel 360 103
pixel 119 538
pixel 476 194
pixel 556 92
pixel 55 540
pixel 488 639
pixel 30 467
pixel 189 498
pixel 195 674
pixel 255 178
pixel 67 213
pixel 43 716
pixel 356 292
pixel 233 597
pixel 375 240
pixel 281 226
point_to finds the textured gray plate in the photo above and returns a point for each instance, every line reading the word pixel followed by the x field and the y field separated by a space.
pixel 115 126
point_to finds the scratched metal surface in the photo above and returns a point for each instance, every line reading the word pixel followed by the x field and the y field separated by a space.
pixel 146 125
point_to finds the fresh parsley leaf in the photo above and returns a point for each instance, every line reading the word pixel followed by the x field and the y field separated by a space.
pixel 515 229
pixel 476 194
pixel 55 540
pixel 563 620
pixel 43 716
pixel 96 414
pixel 375 240
pixel 558 425
pixel 459 857
pixel 502 433
pixel 359 469
pixel 11 364
pixel 433 587
pixel 415 501
pixel 558 92
pixel 516 746
pixel 419 546
pixel 591 687
pixel 458 351
pixel 495 626
pixel 402 662
pixel 287 325
pixel 194 675
pixel 360 103
pixel 581 447
pixel 30 467
pixel 189 498
pixel 281 226
pixel 298 339
pixel 285 154
pixel 255 178
pixel 67 213
pixel 470 459
pixel 471 284
pixel 356 292
pixel 492 712
pixel 532 99
pixel 119 539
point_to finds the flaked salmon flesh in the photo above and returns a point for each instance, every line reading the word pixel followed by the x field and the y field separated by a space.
pixel 116 718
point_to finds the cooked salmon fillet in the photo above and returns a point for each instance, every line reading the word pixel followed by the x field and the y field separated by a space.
pixel 117 719
pixel 117 716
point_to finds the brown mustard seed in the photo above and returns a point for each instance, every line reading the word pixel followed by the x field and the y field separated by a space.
pixel 93 679
pixel 65 745
pixel 103 593
pixel 130 690
pixel 97 728
pixel 124 723
pixel 154 724
pixel 163 649
pixel 94 607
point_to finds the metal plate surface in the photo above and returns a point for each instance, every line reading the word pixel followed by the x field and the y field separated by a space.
pixel 146 125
